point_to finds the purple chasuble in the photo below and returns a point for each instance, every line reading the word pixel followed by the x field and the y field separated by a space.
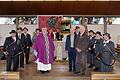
pixel 40 47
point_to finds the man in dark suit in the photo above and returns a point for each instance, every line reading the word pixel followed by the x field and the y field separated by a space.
pixel 27 43
pixel 19 36
pixel 97 49
pixel 91 57
pixel 70 49
pixel 11 49
pixel 77 31
pixel 58 35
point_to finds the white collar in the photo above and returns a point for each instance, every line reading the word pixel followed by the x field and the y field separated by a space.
pixel 106 41
pixel 14 38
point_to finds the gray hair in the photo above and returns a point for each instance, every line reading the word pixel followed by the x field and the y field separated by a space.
pixel 44 28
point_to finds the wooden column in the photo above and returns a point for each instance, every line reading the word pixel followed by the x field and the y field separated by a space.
pixel 83 20
pixel 85 25
pixel 105 24
pixel 17 22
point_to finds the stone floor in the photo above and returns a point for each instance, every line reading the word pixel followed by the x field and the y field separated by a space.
pixel 59 72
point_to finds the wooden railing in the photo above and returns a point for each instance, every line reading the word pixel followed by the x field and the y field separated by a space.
pixel 104 76
pixel 9 76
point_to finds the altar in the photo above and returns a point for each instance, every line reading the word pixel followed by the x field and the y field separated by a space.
pixel 59 52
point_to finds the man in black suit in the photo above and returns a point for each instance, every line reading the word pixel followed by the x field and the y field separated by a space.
pixel 77 31
pixel 91 58
pixel 11 49
pixel 19 36
pixel 58 35
pixel 27 43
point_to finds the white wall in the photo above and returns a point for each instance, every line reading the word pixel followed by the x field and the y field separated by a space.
pixel 96 28
pixel 4 32
pixel 114 30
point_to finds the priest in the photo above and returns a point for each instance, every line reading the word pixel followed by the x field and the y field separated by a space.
pixel 44 51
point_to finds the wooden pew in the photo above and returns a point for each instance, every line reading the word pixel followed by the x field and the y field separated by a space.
pixel 105 75
pixel 9 75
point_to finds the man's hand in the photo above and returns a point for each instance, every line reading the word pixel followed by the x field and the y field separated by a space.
pixel 28 47
pixel 66 51
pixel 20 52
pixel 78 50
pixel 5 53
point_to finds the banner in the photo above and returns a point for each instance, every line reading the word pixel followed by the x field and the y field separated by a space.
pixel 51 22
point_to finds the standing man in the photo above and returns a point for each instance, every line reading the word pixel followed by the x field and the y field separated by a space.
pixel 44 51
pixel 70 49
pixel 37 32
pixel 26 43
pixel 107 54
pixel 81 48
pixel 97 43
pixel 11 49
pixel 58 35
pixel 90 51
pixel 77 31
pixel 19 36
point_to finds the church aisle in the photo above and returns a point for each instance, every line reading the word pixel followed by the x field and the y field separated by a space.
pixel 59 72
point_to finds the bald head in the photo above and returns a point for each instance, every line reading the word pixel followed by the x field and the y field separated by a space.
pixel 82 29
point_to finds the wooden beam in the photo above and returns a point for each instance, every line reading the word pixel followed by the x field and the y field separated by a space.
pixel 59 7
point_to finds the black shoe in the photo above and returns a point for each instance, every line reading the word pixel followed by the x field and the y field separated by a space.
pixel 22 66
pixel 91 66
pixel 77 72
pixel 96 69
pixel 83 74
pixel 74 70
pixel 43 72
pixel 70 70
pixel 47 71
pixel 27 63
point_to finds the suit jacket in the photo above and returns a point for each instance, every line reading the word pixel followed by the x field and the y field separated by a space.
pixel 20 39
pixel 34 37
pixel 26 40
pixel 82 42
pixel 68 42
pixel 12 47
pixel 98 48
pixel 91 43
pixel 106 52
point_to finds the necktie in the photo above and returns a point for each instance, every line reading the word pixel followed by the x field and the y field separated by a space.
pixel 19 36
pixel 13 40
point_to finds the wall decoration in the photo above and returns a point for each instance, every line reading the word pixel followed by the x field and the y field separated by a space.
pixel 65 26
pixel 51 22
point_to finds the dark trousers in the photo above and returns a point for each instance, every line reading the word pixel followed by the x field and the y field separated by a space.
pixel 81 62
pixel 91 60
pixel 97 64
pixel 17 61
pixel 9 61
pixel 27 51
pixel 72 58
pixel 21 60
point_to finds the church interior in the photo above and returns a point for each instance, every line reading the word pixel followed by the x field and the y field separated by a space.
pixel 58 16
